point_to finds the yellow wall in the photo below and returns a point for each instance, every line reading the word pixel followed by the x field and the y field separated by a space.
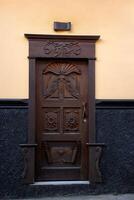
pixel 112 19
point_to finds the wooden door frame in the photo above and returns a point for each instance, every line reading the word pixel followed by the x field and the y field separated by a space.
pixel 62 47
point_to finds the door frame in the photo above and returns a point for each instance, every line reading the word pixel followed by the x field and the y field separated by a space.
pixel 62 47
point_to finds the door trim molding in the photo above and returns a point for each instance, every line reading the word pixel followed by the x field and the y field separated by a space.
pixel 93 38
pixel 60 47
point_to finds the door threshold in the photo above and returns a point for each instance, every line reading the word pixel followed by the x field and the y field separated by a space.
pixel 61 183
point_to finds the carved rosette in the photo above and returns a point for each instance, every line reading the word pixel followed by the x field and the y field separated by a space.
pixel 71 120
pixel 51 121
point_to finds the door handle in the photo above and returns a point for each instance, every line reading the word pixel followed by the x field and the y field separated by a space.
pixel 84 112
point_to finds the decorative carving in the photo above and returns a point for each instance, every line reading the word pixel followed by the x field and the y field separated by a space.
pixel 61 154
pixel 61 78
pixel 98 151
pixel 70 87
pixel 62 68
pixel 95 150
pixel 56 49
pixel 52 87
pixel 71 120
pixel 51 120
pixel 25 158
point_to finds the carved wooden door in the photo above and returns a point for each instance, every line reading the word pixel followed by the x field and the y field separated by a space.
pixel 62 125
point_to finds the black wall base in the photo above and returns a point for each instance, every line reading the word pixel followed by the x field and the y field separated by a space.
pixel 114 127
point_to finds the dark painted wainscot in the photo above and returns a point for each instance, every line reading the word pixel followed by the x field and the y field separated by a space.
pixel 114 127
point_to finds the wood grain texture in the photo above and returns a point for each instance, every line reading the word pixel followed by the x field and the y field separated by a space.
pixel 62 106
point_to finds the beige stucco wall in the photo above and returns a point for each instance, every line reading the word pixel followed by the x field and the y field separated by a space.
pixel 112 19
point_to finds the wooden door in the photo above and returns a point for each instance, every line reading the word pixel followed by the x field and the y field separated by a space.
pixel 62 119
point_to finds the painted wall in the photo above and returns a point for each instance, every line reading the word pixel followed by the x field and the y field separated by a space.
pixel 112 19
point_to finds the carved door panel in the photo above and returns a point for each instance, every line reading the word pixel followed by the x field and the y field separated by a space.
pixel 62 125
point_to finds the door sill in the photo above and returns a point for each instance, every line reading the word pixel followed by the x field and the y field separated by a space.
pixel 61 183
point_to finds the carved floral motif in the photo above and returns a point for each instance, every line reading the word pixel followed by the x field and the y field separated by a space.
pixel 56 49
pixel 61 77
pixel 71 121
pixel 51 121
